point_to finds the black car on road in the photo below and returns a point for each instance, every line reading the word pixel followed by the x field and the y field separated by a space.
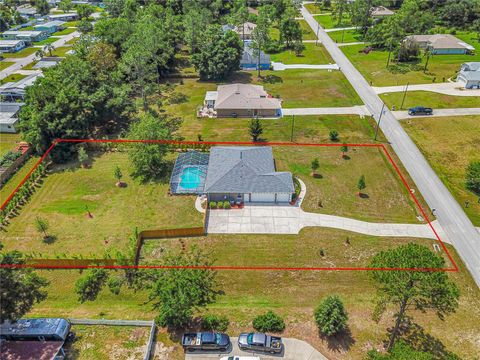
pixel 420 110
pixel 205 341
pixel 260 342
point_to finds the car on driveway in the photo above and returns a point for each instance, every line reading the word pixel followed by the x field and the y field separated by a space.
pixel 205 341
pixel 260 342
pixel 420 110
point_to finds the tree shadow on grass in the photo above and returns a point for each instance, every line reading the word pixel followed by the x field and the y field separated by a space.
pixel 50 239
pixel 341 342
pixel 364 196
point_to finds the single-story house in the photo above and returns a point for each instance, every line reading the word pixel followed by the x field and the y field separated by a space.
pixel 29 350
pixel 245 31
pixel 50 26
pixel 238 174
pixel 251 62
pixel 9 116
pixel 69 16
pixel 380 12
pixel 26 35
pixel 14 91
pixel 47 62
pixel 469 75
pixel 243 100
pixel 26 11
pixel 11 46
pixel 442 44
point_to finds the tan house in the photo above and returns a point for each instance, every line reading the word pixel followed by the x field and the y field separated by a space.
pixel 245 31
pixel 242 100
pixel 441 44
pixel 380 12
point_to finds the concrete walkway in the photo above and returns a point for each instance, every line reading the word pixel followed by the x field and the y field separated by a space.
pixel 352 110
pixel 447 88
pixel 401 115
pixel 278 66
pixel 294 350
pixel 352 43
pixel 340 29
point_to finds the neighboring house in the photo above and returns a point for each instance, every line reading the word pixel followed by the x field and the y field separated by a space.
pixel 9 116
pixel 12 92
pixel 26 11
pixel 27 36
pixel 11 46
pixel 70 16
pixel 380 12
pixel 245 31
pixel 246 174
pixel 50 26
pixel 47 62
pixel 251 62
pixel 236 174
pixel 469 75
pixel 242 100
pixel 442 44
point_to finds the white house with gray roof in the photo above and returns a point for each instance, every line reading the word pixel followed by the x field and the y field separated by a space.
pixel 469 75
pixel 246 174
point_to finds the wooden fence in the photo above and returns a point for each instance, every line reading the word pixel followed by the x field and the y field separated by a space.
pixel 6 173
pixel 165 234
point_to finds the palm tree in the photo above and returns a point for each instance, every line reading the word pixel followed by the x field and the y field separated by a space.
pixel 49 48
pixel 39 54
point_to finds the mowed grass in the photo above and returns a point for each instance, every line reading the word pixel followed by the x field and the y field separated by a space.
pixel 8 142
pixel 12 78
pixel 20 54
pixel 106 342
pixel 429 99
pixel 334 191
pixel 68 191
pixel 440 67
pixel 345 36
pixel 5 64
pixel 313 54
pixel 313 8
pixel 61 51
pixel 449 144
pixel 11 184
pixel 46 41
pixel 64 32
pixel 328 22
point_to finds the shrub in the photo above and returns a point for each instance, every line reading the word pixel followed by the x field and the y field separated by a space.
pixel 213 205
pixel 226 205
pixel 269 322
pixel 330 316
pixel 9 157
pixel 472 177
pixel 333 135
pixel 215 323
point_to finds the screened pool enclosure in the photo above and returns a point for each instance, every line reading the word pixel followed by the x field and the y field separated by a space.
pixel 189 173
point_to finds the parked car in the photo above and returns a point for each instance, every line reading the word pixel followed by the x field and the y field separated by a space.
pixel 420 110
pixel 260 342
pixel 205 341
pixel 240 358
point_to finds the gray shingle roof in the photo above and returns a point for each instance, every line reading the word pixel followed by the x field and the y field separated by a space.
pixel 245 169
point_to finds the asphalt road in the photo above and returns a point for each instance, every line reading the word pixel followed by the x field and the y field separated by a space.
pixel 451 217
pixel 294 350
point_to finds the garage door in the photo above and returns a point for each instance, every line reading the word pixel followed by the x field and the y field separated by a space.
pixel 283 197
pixel 263 197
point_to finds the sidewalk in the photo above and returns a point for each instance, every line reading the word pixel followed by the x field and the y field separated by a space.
pixel 447 88
pixel 360 110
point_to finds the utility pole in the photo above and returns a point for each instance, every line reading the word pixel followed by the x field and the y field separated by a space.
pixel 318 29
pixel 379 119
pixel 293 126
pixel 388 60
pixel 343 34
pixel 427 53
pixel 404 95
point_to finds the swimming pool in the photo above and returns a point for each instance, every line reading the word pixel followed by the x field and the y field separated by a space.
pixel 191 178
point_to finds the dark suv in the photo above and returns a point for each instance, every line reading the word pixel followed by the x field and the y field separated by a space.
pixel 420 110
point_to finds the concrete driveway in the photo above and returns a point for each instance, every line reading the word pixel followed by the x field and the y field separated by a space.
pixel 294 350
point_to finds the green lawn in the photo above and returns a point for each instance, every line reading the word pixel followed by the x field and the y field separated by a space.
pixel 5 64
pixel 449 145
pixel 345 36
pixel 429 99
pixel 328 22
pixel 64 32
pixel 71 23
pixel 22 53
pixel 313 54
pixel 72 41
pixel 440 67
pixel 68 190
pixel 30 66
pixel 12 78
pixel 61 51
pixel 8 142
pixel 308 34
pixel 314 8
pixel 104 342
pixel 46 41
pixel 12 183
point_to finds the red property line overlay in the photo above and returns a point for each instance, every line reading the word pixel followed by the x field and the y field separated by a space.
pixel 174 142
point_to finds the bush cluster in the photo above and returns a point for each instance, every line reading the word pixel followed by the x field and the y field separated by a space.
pixel 269 322
pixel 9 157
pixel 212 322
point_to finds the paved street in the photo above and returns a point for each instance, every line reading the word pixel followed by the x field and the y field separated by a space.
pixel 446 88
pixel 21 62
pixel 400 115
pixel 352 110
pixel 294 350
pixel 457 226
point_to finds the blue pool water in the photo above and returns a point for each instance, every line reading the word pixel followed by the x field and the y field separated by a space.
pixel 190 178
